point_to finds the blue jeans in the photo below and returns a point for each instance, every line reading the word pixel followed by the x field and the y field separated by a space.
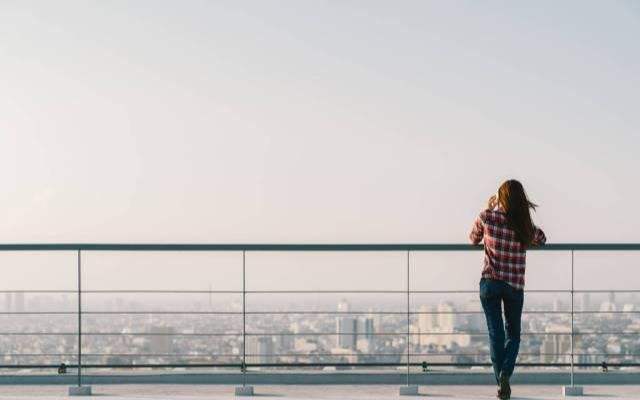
pixel 503 353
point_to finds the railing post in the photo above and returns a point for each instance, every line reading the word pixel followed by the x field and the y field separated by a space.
pixel 244 390
pixel 572 315
pixel 572 390
pixel 244 320
pixel 79 390
pixel 79 318
pixel 408 390
pixel 408 319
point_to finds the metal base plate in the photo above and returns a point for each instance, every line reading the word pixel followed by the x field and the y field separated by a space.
pixel 79 390
pixel 410 390
pixel 244 390
pixel 572 391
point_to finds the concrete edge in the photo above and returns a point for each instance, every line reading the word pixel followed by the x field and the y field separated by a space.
pixel 346 378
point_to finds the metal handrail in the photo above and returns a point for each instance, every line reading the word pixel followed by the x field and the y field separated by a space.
pixel 187 355
pixel 155 291
pixel 453 333
pixel 300 365
pixel 302 247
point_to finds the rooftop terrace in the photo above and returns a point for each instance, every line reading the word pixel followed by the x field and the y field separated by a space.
pixel 290 392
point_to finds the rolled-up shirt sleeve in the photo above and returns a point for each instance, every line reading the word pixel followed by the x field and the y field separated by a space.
pixel 477 230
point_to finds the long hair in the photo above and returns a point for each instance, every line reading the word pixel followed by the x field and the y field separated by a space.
pixel 514 202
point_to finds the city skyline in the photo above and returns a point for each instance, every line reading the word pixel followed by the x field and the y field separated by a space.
pixel 443 331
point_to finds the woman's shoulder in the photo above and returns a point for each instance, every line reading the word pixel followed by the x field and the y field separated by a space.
pixel 492 214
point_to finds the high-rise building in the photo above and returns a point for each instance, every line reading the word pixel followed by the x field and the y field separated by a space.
pixel 435 324
pixel 427 319
pixel 556 347
pixel 368 328
pixel 447 319
pixel 427 324
pixel 260 349
pixel 347 332
pixel 347 328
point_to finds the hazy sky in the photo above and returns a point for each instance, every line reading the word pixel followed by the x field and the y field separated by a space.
pixel 315 121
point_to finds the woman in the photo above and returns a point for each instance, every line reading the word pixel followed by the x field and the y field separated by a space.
pixel 507 230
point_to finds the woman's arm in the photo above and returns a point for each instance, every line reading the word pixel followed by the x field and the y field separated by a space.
pixel 477 231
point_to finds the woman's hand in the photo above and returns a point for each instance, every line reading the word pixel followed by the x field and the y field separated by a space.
pixel 493 201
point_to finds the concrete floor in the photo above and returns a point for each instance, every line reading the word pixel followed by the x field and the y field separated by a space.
pixel 309 392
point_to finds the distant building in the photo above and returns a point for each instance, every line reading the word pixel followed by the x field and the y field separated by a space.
pixel 344 306
pixel 345 355
pixel 260 349
pixel 589 356
pixel 476 321
pixel 447 319
pixel 607 306
pixel 427 323
pixel 435 326
pixel 612 297
pixel 557 305
pixel 427 319
pixel 347 328
pixel 285 342
pixel 304 345
pixel 161 340
pixel 347 332
pixel 364 345
pixel 368 328
pixel 556 347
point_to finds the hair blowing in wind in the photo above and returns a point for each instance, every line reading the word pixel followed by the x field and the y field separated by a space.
pixel 516 205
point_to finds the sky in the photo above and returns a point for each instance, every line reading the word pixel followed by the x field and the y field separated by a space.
pixel 315 121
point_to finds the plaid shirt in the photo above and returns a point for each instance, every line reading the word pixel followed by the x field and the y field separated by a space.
pixel 504 255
